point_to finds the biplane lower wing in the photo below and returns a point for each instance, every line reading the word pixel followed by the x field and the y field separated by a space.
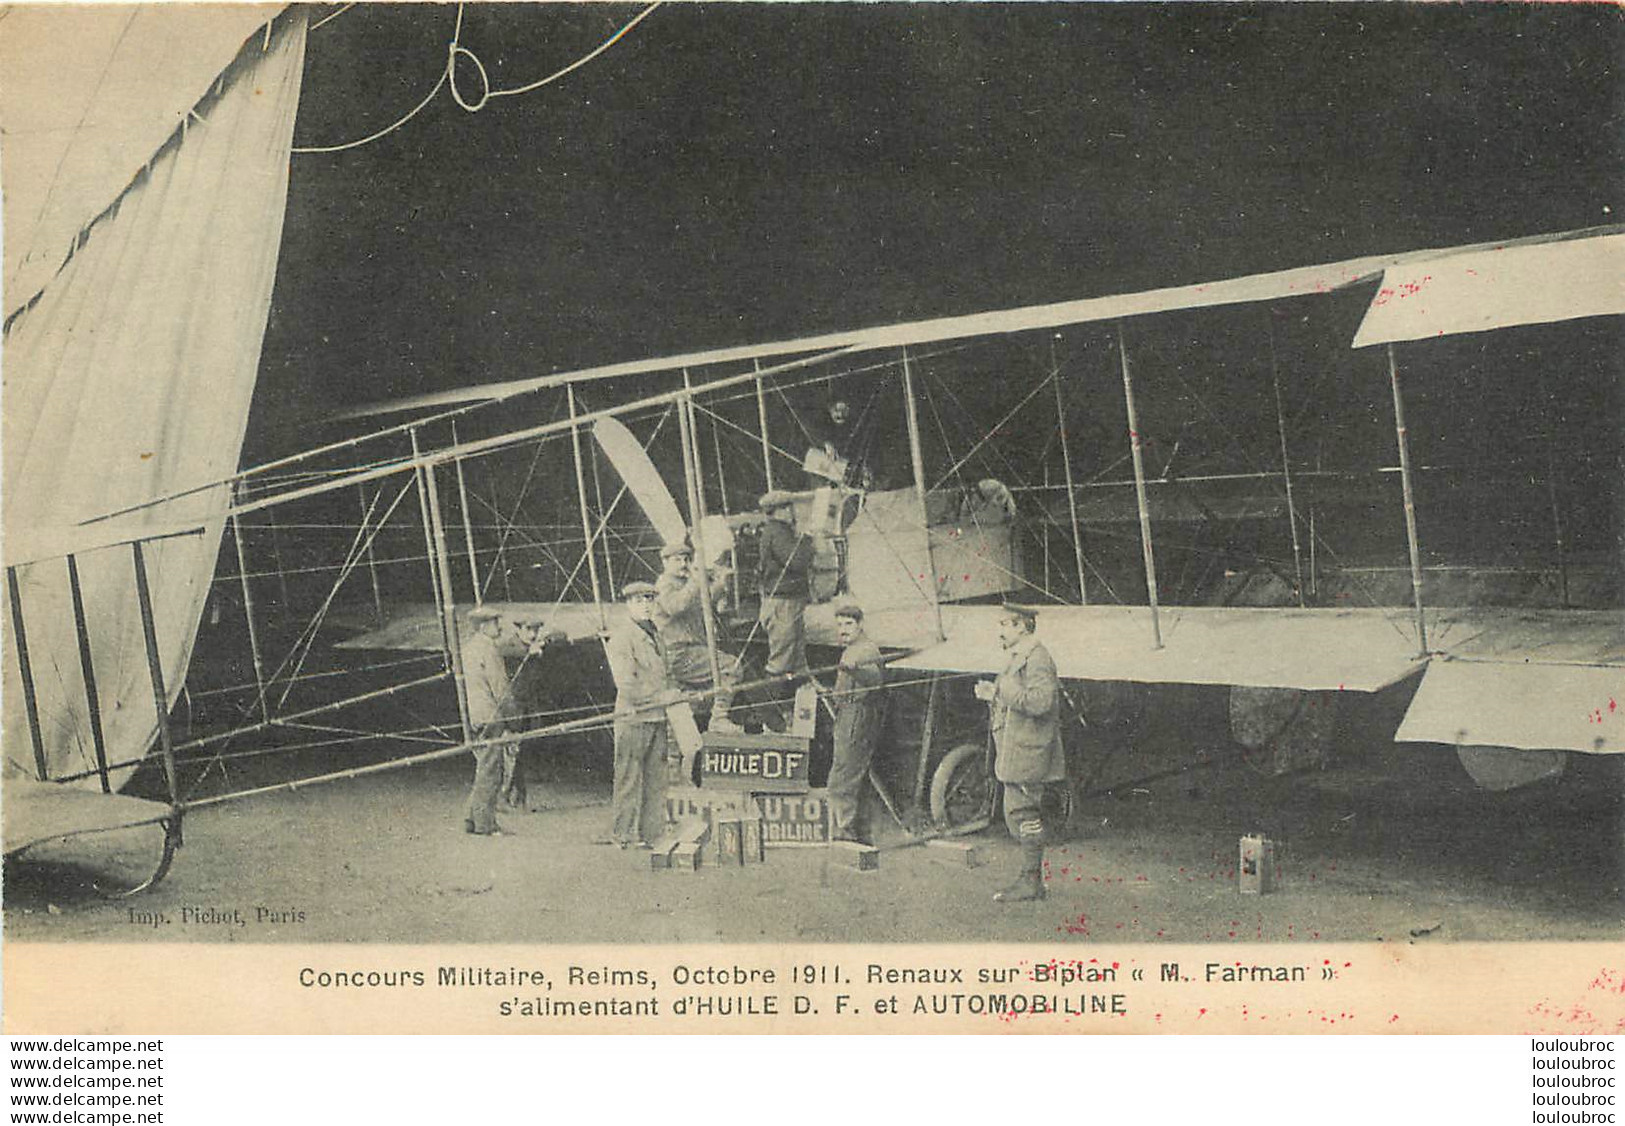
pixel 415 626
pixel 36 812
pixel 1534 680
pixel 1526 680
pixel 1312 650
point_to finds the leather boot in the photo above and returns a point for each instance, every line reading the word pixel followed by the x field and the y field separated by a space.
pixel 1030 885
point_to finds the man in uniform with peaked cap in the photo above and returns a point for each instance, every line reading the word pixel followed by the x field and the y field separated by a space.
pixel 1026 716
pixel 643 689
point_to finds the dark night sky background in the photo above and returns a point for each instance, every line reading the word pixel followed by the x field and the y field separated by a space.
pixel 750 172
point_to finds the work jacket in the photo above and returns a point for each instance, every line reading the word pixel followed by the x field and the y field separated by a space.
pixel 786 561
pixel 679 613
pixel 485 680
pixel 857 698
pixel 637 660
pixel 1027 717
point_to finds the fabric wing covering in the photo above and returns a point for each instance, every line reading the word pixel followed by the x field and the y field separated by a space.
pixel 1498 287
pixel 1531 680
pixel 129 378
pixel 1312 650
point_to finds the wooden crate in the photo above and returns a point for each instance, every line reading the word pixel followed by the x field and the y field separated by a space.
pixel 794 820
pixel 691 801
pixel 763 763
pixel 736 839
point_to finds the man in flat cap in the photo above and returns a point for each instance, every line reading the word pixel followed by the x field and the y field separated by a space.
pixel 857 702
pixel 525 705
pixel 1026 705
pixel 643 689
pixel 785 570
pixel 485 685
pixel 679 615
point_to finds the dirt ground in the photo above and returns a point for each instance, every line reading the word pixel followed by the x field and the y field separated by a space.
pixel 383 859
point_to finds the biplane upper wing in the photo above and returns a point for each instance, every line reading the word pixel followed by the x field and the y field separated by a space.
pixel 1481 288
pixel 1425 293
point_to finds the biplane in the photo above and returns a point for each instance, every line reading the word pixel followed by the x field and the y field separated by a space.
pixel 1195 480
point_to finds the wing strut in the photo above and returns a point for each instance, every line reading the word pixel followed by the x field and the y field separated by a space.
pixel 581 496
pixel 248 606
pixel 696 517
pixel 1410 503
pixel 448 602
pixel 1135 442
pixel 87 665
pixel 155 669
pixel 26 669
pixel 372 560
pixel 761 418
pixel 919 489
pixel 1286 465
pixel 435 539
pixel 468 524
pixel 1071 490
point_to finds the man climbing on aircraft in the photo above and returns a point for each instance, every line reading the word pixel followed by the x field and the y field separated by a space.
pixel 486 685
pixel 785 570
pixel 1026 718
pixel 857 703
pixel 679 615
pixel 643 690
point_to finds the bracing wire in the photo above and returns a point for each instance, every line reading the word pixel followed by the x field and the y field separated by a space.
pixel 583 60
pixel 331 16
pixel 385 131
pixel 455 51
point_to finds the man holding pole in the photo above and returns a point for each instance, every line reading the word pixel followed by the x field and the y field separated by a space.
pixel 679 615
pixel 643 690
pixel 1026 719
pixel 525 703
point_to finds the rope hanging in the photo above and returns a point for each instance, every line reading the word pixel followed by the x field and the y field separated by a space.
pixel 448 78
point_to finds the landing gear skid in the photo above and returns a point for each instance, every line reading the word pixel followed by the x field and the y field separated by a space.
pixel 172 841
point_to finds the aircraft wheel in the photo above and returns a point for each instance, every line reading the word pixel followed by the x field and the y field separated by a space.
pixel 1282 730
pixel 960 787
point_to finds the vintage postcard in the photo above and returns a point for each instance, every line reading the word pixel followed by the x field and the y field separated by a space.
pixel 812 517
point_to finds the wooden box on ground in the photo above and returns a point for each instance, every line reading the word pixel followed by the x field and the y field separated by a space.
pixel 794 820
pixel 956 852
pixel 691 831
pixel 690 801
pixel 687 857
pixel 865 858
pixel 736 839
pixel 765 762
